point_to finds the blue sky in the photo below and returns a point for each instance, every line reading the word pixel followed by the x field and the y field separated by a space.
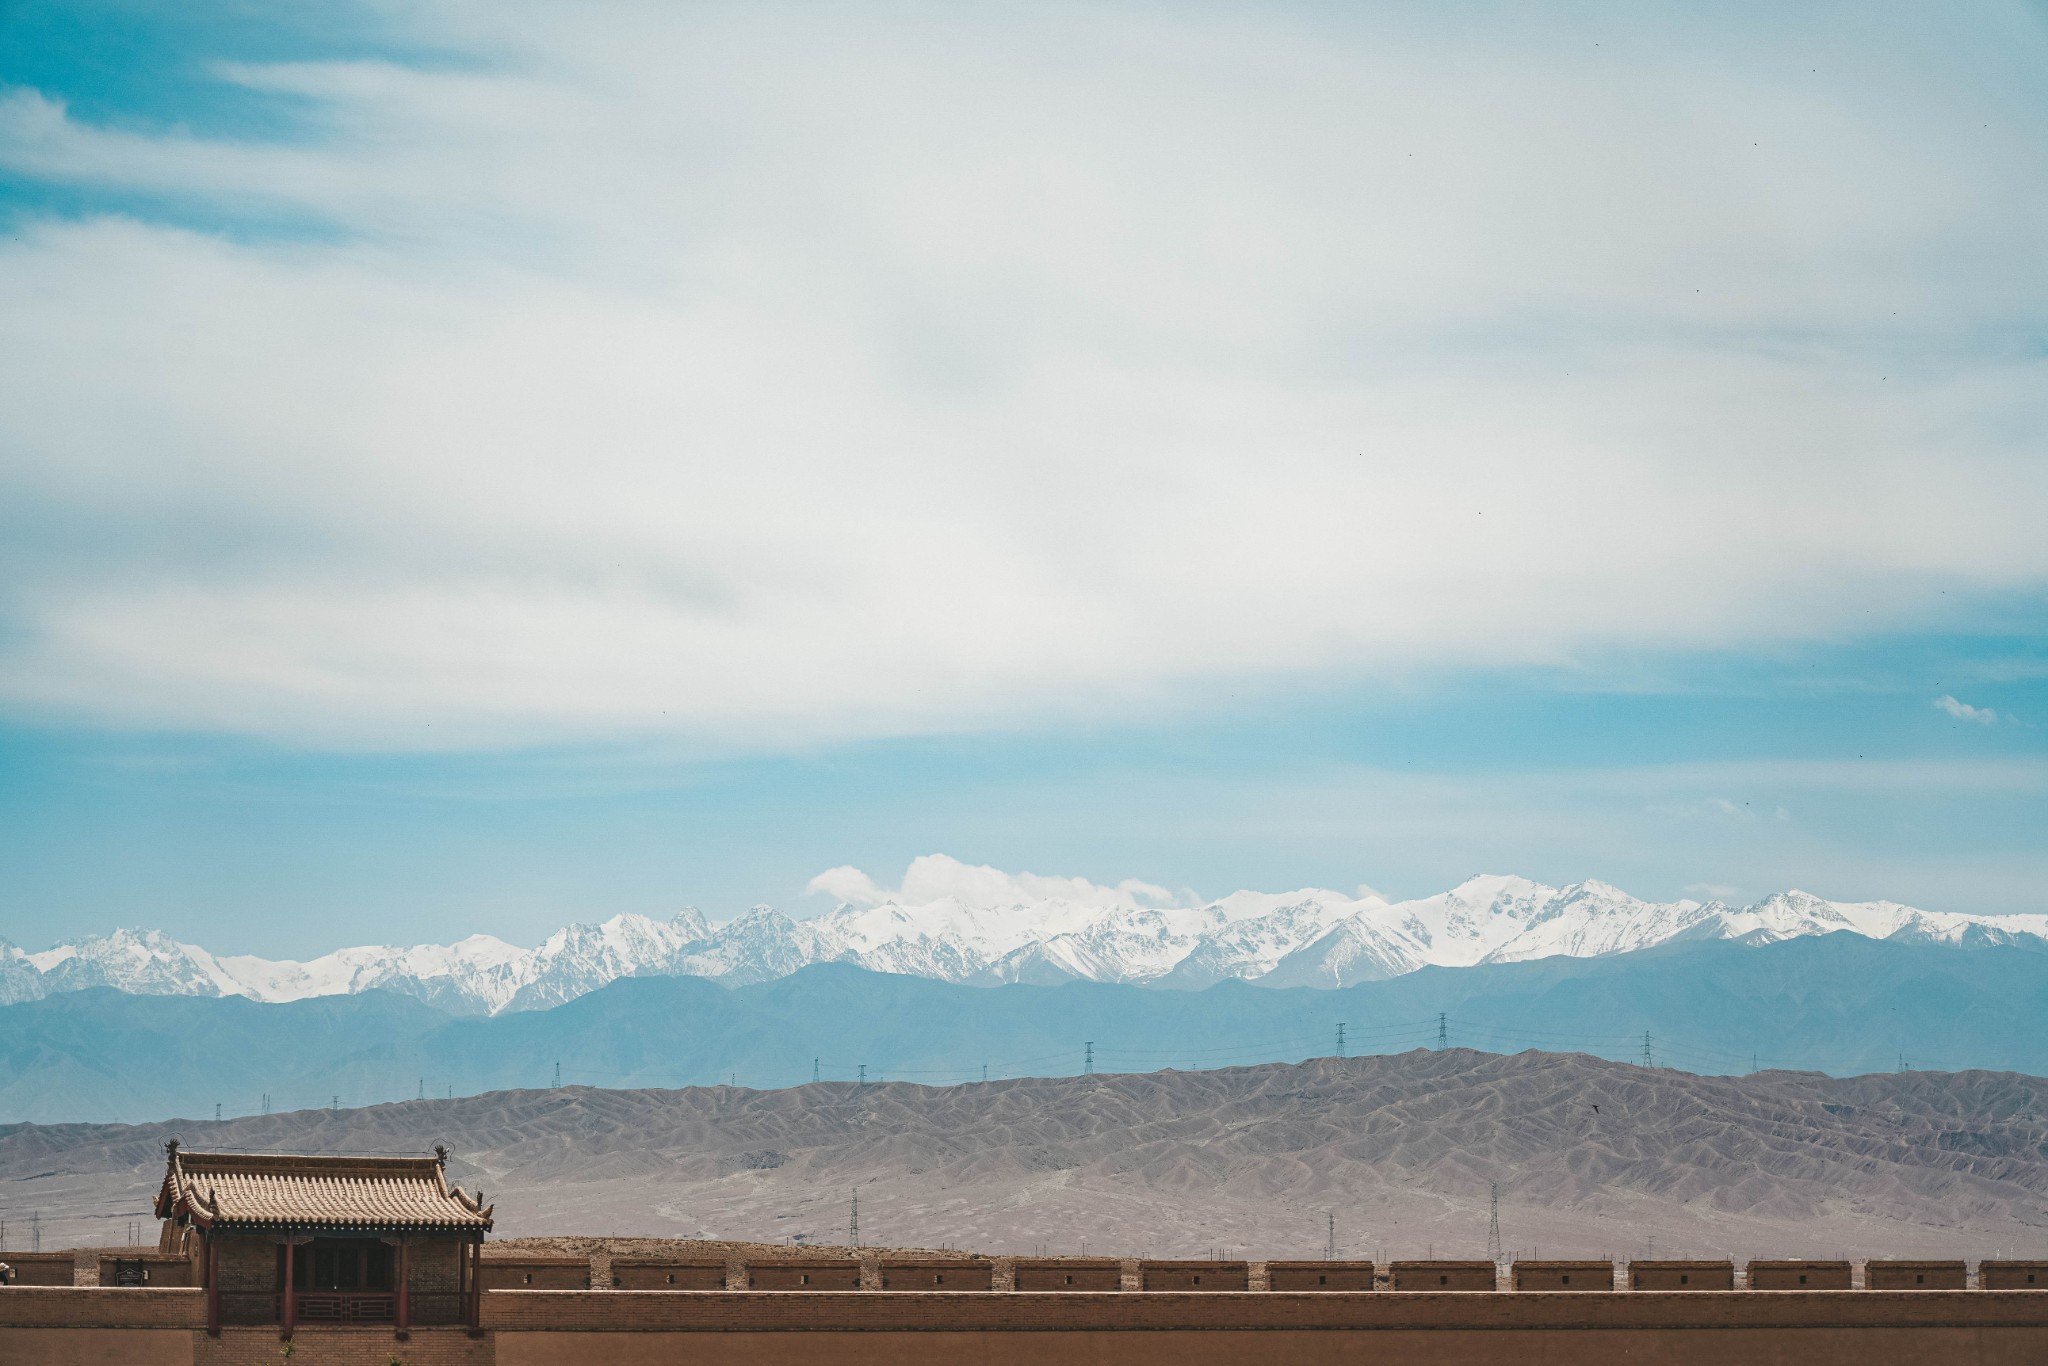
pixel 465 469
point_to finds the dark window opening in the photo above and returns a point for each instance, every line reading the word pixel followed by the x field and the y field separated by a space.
pixel 1684 1279
pixel 338 1264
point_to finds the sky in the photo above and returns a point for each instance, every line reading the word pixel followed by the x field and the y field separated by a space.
pixel 474 466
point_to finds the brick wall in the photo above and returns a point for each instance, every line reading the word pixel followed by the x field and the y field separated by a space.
pixel 1204 1276
pixel 1564 1276
pixel 1319 1276
pixel 935 1275
pixel 803 1275
pixel 76 1326
pixel 343 1347
pixel 157 1269
pixel 42 1268
pixel 1615 1328
pixel 436 1266
pixel 1655 1275
pixel 1895 1275
pixel 654 1273
pixel 1441 1276
pixel 1799 1275
pixel 536 1273
pixel 92 1306
pixel 1066 1273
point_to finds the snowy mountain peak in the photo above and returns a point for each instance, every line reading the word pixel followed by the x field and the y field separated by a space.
pixel 961 923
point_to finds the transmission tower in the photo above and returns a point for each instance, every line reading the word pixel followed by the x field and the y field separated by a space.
pixel 1443 1030
pixel 1647 1062
pixel 216 1112
pixel 1493 1223
pixel 35 1231
pixel 984 1073
pixel 1340 1038
pixel 334 1105
pixel 558 1072
pixel 1088 1065
pixel 814 1069
pixel 1330 1242
pixel 853 1221
pixel 863 1074
pixel 423 1088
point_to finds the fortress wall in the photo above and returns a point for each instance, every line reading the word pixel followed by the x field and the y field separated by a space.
pixel 1166 1328
pixel 72 1326
pixel 1670 1275
pixel 536 1273
pixel 1187 1275
pixel 1325 1276
pixel 1066 1274
pixel 1577 1277
pixel 901 1274
pixel 325 1346
pixel 87 1326
pixel 42 1268
pixel 818 1275
pixel 659 1273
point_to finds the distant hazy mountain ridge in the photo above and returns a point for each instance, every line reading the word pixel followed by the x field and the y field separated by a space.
pixel 959 924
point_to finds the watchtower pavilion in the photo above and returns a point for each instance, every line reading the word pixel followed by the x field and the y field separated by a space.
pixel 351 1240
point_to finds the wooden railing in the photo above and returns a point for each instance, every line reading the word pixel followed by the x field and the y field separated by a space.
pixel 347 1306
pixel 426 1308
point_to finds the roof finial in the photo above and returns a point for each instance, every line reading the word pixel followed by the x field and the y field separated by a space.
pixel 170 1147
pixel 441 1153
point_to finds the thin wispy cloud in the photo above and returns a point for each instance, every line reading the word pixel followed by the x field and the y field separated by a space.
pixel 766 378
pixel 1963 711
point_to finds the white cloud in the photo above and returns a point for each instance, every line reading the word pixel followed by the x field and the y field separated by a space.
pixel 706 372
pixel 937 877
pixel 1963 711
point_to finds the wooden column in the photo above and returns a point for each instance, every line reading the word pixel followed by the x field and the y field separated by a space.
pixel 404 1282
pixel 476 1285
pixel 212 1286
pixel 290 1317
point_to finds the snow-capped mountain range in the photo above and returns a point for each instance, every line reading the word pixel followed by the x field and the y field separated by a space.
pixel 980 926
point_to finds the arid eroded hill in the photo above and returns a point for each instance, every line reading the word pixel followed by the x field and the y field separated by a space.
pixel 1591 1156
